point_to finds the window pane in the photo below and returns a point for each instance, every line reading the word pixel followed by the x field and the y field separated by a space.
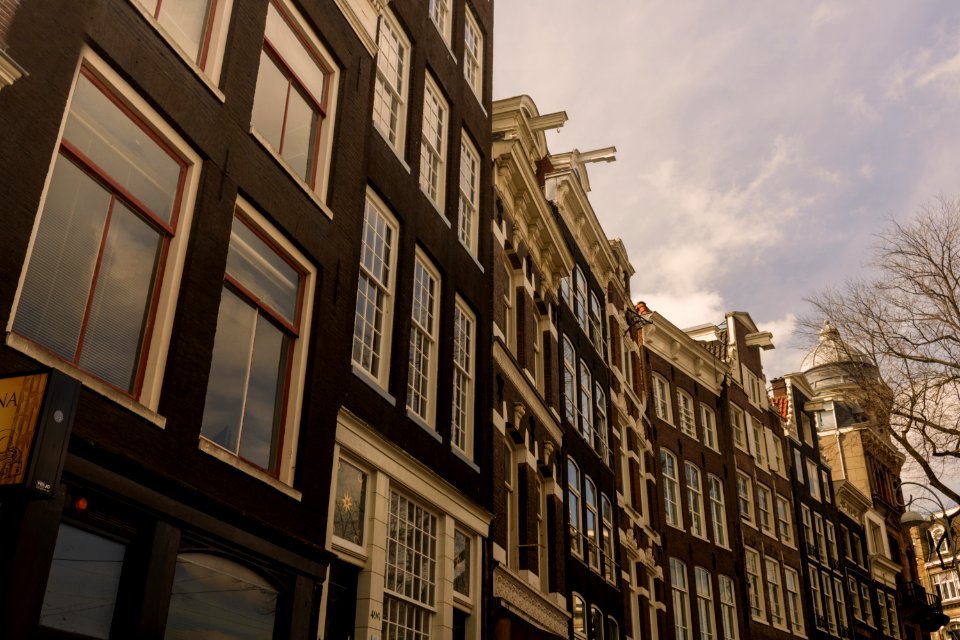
pixel 269 101
pixel 263 272
pixel 264 406
pixel 215 598
pixel 348 516
pixel 299 135
pixel 290 47
pixel 82 586
pixel 57 284
pixel 122 149
pixel 228 374
pixel 121 302
pixel 185 21
pixel 461 563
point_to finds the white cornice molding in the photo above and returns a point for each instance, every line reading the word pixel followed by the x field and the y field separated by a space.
pixel 10 71
pixel 530 398
pixel 362 15
pixel 534 222
pixel 672 344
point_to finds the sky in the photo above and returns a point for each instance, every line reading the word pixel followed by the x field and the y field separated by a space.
pixel 760 145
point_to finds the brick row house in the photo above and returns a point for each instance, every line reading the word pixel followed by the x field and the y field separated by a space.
pixel 696 511
pixel 252 232
pixel 635 462
pixel 531 256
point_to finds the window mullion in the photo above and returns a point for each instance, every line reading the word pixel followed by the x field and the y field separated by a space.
pixel 94 280
pixel 246 380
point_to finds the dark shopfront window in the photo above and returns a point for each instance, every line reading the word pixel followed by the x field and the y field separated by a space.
pixel 211 596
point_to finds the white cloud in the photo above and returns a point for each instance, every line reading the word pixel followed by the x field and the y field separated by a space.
pixel 827 13
pixel 786 355
pixel 687 309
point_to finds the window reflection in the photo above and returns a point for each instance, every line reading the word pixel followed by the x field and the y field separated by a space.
pixel 82 585
pixel 213 597
pixel 348 515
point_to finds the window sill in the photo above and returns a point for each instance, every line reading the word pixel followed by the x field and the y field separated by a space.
pixel 293 174
pixel 423 425
pixel 225 456
pixel 436 207
pixel 349 552
pixel 463 456
pixel 374 384
pixel 200 73
pixel 46 358
pixel 396 152
pixel 472 255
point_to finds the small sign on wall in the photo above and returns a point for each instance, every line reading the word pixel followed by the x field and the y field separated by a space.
pixel 36 417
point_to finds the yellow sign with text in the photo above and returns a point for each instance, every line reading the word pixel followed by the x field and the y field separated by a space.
pixel 20 401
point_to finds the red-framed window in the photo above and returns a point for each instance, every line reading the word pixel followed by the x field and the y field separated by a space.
pixel 292 94
pixel 92 282
pixel 259 323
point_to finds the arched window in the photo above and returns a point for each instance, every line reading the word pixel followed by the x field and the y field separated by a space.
pixel 671 488
pixel 573 506
pixel 593 549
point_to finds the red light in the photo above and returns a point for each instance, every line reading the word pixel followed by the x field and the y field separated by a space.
pixel 80 504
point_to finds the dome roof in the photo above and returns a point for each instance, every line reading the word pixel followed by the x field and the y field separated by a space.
pixel 831 349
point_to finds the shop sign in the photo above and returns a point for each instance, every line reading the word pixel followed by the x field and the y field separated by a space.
pixel 36 417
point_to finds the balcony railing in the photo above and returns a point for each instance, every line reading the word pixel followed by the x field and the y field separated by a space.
pixel 925 609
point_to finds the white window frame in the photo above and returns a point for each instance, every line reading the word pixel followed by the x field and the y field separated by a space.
pixel 784 520
pixel 718 511
pixel 831 545
pixel 738 425
pixel 679 587
pixel 468 221
pixel 439 12
pixel 601 439
pixel 154 356
pixel 855 602
pixel 820 538
pixel 758 442
pixel 661 398
pixel 698 523
pixel 323 149
pixel 473 56
pixel 374 206
pixel 709 421
pixel 592 530
pixel 775 594
pixel 578 616
pixel 867 604
pixel 393 40
pixel 430 336
pixel 705 611
pixel 296 380
pixel 828 602
pixel 765 499
pixel 746 498
pixel 808 538
pixel 685 414
pixel 585 402
pixel 671 490
pixel 434 179
pixel 841 602
pixel 435 593
pixel 574 511
pixel 792 586
pixel 728 608
pixel 570 384
pixel 335 540
pixel 464 377
pixel 814 577
pixel 212 45
pixel 754 574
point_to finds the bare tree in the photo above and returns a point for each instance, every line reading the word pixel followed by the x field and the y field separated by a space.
pixel 905 317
